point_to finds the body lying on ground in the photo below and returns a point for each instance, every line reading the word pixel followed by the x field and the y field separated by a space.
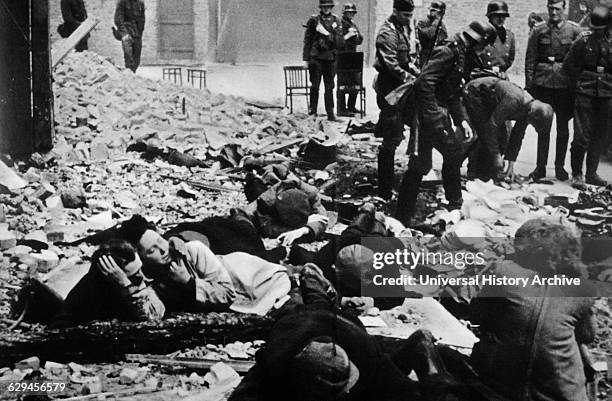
pixel 113 288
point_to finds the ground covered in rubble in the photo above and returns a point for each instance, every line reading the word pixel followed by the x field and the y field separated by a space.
pixel 127 145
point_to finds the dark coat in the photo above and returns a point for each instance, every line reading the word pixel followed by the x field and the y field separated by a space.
pixel 546 49
pixel 351 44
pixel 95 298
pixel 528 349
pixel 439 87
pixel 585 55
pixel 426 32
pixel 379 378
pixel 73 13
pixel 130 18
pixel 319 46
pixel 500 54
pixel 392 55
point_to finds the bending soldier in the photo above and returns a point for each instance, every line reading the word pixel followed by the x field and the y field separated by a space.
pixel 438 89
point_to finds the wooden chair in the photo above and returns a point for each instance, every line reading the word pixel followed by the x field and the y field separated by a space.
pixel 194 74
pixel 349 69
pixel 173 74
pixel 296 84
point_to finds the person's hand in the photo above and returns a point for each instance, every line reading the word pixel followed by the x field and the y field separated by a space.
pixel 288 238
pixel 318 218
pixel 125 37
pixel 606 275
pixel 498 162
pixel 509 173
pixel 362 304
pixel 109 269
pixel 306 64
pixel 178 273
pixel 467 131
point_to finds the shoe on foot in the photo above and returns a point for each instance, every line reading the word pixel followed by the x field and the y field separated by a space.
pixel 561 174
pixel 596 180
pixel 354 110
pixel 538 173
pixel 345 113
pixel 578 182
pixel 331 117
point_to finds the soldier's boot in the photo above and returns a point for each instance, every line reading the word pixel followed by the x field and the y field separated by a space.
pixel 352 102
pixel 386 172
pixel 577 177
pixel 329 105
pixel 408 194
pixel 538 173
pixel 560 173
pixel 314 102
pixel 592 162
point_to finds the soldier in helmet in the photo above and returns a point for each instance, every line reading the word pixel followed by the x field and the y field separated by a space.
pixel 426 30
pixel 394 68
pixel 496 58
pixel 544 79
pixel 322 39
pixel 352 39
pixel 589 66
pixel 438 90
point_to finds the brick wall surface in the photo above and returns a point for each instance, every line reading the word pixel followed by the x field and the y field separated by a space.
pixel 103 42
pixel 462 12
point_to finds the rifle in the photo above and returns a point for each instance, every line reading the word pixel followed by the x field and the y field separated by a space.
pixel 415 129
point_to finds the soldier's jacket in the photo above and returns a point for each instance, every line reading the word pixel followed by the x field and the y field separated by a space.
pixel 73 13
pixel 130 17
pixel 499 54
pixel 393 52
pixel 350 45
pixel 507 100
pixel 319 46
pixel 426 32
pixel 589 65
pixel 439 87
pixel 546 49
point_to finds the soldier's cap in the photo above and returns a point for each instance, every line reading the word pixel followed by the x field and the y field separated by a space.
pixel 556 1
pixel 600 17
pixel 482 33
pixel 403 5
pixel 350 8
pixel 326 3
pixel 498 7
pixel 438 6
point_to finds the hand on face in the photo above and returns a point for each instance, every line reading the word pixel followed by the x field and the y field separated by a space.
pixel 109 269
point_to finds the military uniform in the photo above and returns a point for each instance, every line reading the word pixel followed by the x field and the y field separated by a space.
pixel 425 33
pixel 130 21
pixel 589 62
pixel 544 78
pixel 320 53
pixel 490 102
pixel 393 66
pixel 350 46
pixel 74 13
pixel 439 90
pixel 496 58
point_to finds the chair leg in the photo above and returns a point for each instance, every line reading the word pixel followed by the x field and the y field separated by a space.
pixel 291 103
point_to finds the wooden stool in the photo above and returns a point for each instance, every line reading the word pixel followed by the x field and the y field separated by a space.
pixel 173 74
pixel 200 75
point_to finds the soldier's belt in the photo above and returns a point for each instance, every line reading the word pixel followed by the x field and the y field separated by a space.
pixel 546 60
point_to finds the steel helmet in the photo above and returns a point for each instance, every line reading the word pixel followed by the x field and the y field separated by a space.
pixel 482 33
pixel 497 7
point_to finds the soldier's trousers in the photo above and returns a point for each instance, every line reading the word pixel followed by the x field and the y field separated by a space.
pixel 592 126
pixel 562 102
pixel 132 47
pixel 325 69
pixel 450 146
pixel 490 140
pixel 390 127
